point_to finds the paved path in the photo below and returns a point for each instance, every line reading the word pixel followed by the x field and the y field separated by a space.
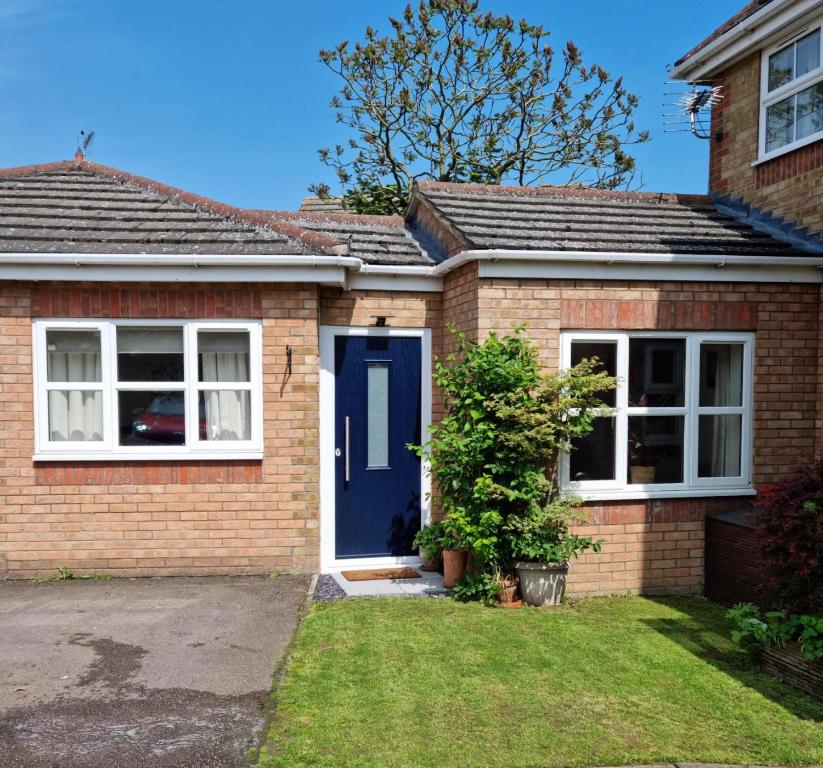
pixel 142 673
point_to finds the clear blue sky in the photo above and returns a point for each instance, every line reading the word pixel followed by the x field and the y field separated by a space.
pixel 229 100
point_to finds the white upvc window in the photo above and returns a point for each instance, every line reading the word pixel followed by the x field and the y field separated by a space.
pixel 147 389
pixel 791 92
pixel 678 423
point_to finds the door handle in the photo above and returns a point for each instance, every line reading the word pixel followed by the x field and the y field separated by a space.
pixel 346 449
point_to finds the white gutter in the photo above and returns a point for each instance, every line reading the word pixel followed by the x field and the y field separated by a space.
pixel 613 265
pixel 177 259
pixel 351 272
pixel 741 38
pixel 202 268
pixel 623 257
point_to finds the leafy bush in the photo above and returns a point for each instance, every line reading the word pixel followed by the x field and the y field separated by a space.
pixel 542 535
pixel 478 586
pixel 790 532
pixel 494 455
pixel 434 538
pixel 756 630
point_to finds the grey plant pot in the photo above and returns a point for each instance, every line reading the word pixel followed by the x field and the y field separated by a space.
pixel 542 583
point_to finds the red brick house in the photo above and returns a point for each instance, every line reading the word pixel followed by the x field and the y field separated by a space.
pixel 189 388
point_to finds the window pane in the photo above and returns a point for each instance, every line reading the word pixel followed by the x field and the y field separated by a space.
pixel 76 415
pixel 377 389
pixel 152 418
pixel 656 372
pixel 808 53
pixel 592 458
pixel 780 124
pixel 225 414
pixel 655 449
pixel 149 354
pixel 781 67
pixel 809 111
pixel 721 375
pixel 718 453
pixel 606 353
pixel 73 356
pixel 223 355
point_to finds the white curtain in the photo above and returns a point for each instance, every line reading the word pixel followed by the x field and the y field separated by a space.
pixel 225 366
pixel 75 414
pixel 228 412
pixel 727 392
pixel 74 366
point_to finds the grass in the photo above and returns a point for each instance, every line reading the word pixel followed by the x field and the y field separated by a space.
pixel 409 682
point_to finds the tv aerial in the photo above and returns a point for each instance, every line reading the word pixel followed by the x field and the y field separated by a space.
pixel 84 142
pixel 692 110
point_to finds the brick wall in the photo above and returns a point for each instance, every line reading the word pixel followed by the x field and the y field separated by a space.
pixel 401 309
pixel 790 185
pixel 460 304
pixel 179 517
pixel 156 518
pixel 656 546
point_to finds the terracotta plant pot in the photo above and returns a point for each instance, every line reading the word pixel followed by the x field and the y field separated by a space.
pixel 429 563
pixel 454 567
pixel 642 475
pixel 542 583
pixel 508 593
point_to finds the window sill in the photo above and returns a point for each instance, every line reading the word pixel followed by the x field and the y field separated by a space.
pixel 687 493
pixel 787 149
pixel 147 456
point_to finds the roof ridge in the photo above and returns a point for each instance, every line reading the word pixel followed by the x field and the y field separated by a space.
pixel 354 218
pixel 548 190
pixel 305 237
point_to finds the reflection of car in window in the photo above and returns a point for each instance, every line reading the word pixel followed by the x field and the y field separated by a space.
pixel 164 420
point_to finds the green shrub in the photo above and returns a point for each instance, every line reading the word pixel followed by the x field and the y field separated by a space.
pixel 493 456
pixel 755 630
pixel 434 538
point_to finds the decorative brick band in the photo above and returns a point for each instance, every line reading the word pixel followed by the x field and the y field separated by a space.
pixel 148 473
pixel 598 314
pixel 654 511
pixel 161 302
pixel 792 164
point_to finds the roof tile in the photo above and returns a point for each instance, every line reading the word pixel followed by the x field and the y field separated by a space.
pixel 78 206
pixel 581 219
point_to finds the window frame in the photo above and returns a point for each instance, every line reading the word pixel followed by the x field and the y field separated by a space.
pixel 792 88
pixel 691 411
pixel 108 448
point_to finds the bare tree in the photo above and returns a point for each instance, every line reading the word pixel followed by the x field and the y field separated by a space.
pixel 454 94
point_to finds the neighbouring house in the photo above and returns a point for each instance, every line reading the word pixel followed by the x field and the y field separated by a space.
pixel 190 388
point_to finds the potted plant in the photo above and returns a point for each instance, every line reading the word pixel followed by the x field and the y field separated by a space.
pixel 430 541
pixel 438 543
pixel 543 546
pixel 507 597
pixel 454 562
pixel 639 473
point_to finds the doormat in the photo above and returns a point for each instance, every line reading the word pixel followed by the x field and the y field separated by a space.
pixel 383 573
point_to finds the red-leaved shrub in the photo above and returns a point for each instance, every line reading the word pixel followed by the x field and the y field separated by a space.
pixel 790 532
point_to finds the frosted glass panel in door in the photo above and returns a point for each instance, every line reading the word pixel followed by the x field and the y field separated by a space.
pixel 377 385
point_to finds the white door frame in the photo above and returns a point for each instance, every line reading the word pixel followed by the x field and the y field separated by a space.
pixel 328 560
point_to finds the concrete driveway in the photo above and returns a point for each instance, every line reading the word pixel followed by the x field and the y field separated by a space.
pixel 144 672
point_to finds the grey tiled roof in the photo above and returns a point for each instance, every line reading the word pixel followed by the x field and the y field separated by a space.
pixel 566 219
pixel 86 208
pixel 374 239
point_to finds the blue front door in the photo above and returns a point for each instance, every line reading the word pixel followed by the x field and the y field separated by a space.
pixel 377 413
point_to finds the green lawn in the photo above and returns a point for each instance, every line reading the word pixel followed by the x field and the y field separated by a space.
pixel 429 683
